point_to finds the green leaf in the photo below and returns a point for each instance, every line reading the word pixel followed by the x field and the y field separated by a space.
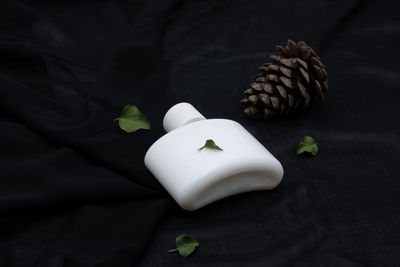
pixel 185 245
pixel 132 120
pixel 210 144
pixel 308 144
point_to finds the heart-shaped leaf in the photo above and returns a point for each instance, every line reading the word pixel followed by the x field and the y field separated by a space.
pixel 308 144
pixel 210 144
pixel 185 245
pixel 132 119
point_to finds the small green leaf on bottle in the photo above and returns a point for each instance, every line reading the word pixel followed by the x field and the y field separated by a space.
pixel 308 144
pixel 132 119
pixel 185 245
pixel 210 144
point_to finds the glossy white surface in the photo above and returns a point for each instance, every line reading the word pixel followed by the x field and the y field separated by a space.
pixel 196 178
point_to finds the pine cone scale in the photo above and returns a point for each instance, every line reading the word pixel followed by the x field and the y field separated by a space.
pixel 305 75
pixel 282 91
pixel 268 88
pixel 287 82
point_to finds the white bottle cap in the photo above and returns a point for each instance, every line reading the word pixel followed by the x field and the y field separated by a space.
pixel 179 115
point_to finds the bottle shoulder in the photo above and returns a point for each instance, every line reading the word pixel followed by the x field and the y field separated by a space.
pixel 216 123
pixel 207 126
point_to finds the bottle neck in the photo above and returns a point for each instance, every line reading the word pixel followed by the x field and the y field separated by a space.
pixel 180 115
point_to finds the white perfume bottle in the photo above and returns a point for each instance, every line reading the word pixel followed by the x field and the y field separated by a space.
pixel 194 177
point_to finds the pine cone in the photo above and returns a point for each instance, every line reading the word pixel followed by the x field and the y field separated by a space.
pixel 287 83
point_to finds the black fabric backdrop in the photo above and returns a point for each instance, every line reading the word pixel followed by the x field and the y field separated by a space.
pixel 73 187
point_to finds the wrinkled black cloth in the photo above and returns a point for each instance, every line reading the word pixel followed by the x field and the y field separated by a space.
pixel 74 190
